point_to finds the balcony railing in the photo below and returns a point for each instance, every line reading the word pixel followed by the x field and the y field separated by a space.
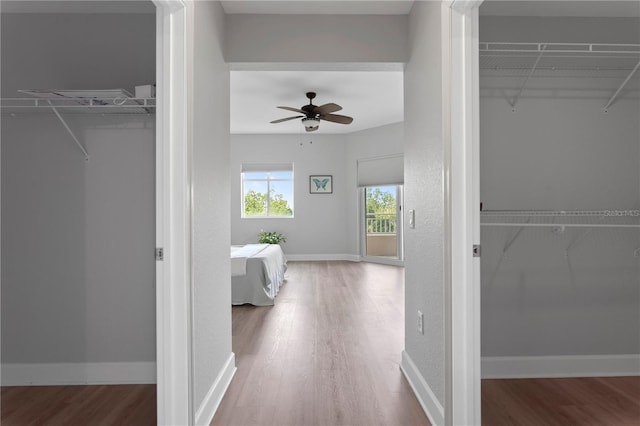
pixel 381 223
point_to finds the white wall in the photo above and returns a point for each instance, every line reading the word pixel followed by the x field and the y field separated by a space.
pixel 424 355
pixel 78 272
pixel 324 226
pixel 560 151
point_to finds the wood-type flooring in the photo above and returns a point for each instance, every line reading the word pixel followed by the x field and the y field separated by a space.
pixel 328 354
pixel 123 405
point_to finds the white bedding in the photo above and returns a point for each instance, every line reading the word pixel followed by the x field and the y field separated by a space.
pixel 264 266
pixel 239 255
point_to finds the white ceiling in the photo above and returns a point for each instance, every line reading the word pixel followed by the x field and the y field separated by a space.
pixel 372 98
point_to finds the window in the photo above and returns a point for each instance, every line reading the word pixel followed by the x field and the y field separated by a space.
pixel 267 190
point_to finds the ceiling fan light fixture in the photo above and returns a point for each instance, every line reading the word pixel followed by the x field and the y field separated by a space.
pixel 311 123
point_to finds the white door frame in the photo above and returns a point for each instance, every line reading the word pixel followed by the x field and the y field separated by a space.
pixel 398 260
pixel 173 226
pixel 463 375
pixel 173 218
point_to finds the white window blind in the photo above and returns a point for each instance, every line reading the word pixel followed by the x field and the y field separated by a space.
pixel 388 170
pixel 261 167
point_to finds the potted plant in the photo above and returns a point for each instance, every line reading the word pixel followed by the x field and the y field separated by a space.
pixel 266 237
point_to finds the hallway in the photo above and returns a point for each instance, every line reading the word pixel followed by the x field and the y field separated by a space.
pixel 327 353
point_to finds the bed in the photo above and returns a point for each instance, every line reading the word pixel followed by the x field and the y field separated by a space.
pixel 257 273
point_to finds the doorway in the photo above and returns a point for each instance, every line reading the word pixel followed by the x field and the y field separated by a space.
pixel 382 222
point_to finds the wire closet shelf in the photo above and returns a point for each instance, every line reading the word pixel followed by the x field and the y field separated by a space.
pixel 561 219
pixel 596 57
pixel 619 62
pixel 79 105
pixel 71 102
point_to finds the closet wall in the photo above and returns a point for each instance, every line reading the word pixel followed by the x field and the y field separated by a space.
pixel 557 149
pixel 78 273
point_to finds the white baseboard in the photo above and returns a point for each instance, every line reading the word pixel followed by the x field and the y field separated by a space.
pixel 382 260
pixel 560 366
pixel 91 373
pixel 212 400
pixel 430 404
pixel 322 257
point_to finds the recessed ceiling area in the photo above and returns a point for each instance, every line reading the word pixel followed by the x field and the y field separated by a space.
pixel 315 7
pixel 372 98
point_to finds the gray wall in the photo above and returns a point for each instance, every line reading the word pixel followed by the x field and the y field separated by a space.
pixel 335 38
pixel 319 222
pixel 377 142
pixel 78 273
pixel 560 151
pixel 77 241
pixel 560 154
pixel 324 224
pixel 76 51
pixel 424 193
pixel 209 136
pixel 558 29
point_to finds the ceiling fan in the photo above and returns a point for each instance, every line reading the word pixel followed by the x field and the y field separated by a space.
pixel 312 114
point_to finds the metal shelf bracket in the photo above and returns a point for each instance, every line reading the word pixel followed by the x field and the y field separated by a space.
pixel 66 126
pixel 624 83
pixel 506 248
pixel 526 80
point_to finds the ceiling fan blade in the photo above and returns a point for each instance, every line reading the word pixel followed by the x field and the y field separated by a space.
pixel 292 109
pixel 336 118
pixel 327 108
pixel 286 119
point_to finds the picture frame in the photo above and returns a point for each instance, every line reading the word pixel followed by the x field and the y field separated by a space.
pixel 321 184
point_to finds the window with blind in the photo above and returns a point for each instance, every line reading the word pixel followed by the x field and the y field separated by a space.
pixel 267 190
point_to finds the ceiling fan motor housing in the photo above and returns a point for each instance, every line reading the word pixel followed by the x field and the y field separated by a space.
pixel 309 110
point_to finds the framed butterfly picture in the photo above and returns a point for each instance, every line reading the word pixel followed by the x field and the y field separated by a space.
pixel 321 184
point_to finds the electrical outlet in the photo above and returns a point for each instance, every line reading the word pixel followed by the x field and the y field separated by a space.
pixel 420 322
